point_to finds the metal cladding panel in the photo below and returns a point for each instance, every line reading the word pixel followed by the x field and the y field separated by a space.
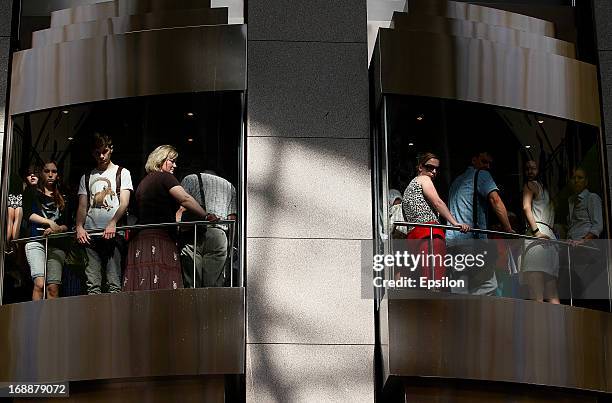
pixel 124 335
pixel 426 64
pixel 478 30
pixel 498 339
pixel 115 8
pixel 123 24
pixel 477 13
pixel 166 61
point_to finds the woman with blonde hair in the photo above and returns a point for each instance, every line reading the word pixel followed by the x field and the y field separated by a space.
pixel 153 260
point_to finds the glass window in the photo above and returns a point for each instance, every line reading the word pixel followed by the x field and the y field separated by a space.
pixel 204 128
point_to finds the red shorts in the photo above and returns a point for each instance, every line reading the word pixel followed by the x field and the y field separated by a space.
pixel 438 250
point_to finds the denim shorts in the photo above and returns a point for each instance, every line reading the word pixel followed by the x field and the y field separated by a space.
pixel 35 254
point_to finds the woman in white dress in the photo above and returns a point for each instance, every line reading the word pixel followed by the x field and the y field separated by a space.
pixel 540 260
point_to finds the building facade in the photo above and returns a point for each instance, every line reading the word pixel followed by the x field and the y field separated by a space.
pixel 293 88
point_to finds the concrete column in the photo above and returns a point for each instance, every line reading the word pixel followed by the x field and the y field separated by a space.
pixel 310 336
pixel 602 10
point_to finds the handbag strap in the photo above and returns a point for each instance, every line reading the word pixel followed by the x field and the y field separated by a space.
pixel 475 203
pixel 202 192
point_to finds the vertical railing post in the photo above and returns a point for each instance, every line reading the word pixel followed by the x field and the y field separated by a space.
pixel 231 252
pixel 430 249
pixel 45 268
pixel 569 274
pixel 195 244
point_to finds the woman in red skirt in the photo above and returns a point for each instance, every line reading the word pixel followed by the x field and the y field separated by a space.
pixel 153 261
pixel 422 204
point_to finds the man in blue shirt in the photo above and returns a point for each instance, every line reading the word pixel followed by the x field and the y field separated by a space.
pixel 479 281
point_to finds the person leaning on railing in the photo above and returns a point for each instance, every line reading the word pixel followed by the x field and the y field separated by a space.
pixel 47 213
pixel 540 261
pixel 422 204
pixel 153 260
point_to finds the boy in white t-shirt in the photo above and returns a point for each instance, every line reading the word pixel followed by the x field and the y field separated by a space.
pixel 101 206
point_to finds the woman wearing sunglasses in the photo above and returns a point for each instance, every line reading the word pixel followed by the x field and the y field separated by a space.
pixel 47 214
pixel 422 204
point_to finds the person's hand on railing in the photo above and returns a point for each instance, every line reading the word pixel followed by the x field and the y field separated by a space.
pixel 541 236
pixel 211 217
pixel 464 227
pixel 81 235
pixel 53 229
pixel 53 226
pixel 110 230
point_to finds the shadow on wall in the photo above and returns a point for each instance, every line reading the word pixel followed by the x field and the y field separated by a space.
pixel 297 186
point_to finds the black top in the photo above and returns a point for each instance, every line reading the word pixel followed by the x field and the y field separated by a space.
pixel 154 203
pixel 36 202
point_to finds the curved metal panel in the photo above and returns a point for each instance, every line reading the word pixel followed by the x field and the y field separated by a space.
pixel 498 339
pixel 487 15
pixel 425 64
pixel 121 25
pixel 192 59
pixel 477 30
pixel 115 8
pixel 124 335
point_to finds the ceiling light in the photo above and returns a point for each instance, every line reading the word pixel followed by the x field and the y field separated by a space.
pixel 190 140
pixel 410 144
pixel 420 117
pixel 528 147
pixel 65 111
pixel 540 121
pixel 70 138
pixel 190 114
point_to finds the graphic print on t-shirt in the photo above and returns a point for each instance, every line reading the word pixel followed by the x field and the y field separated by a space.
pixel 102 199
pixel 103 195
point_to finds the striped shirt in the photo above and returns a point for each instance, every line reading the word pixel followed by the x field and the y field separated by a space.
pixel 219 194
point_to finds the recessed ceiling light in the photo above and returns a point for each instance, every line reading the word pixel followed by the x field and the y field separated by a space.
pixel 410 144
pixel 540 121
pixel 528 147
pixel 65 111
pixel 190 114
pixel 190 140
pixel 70 138
pixel 420 117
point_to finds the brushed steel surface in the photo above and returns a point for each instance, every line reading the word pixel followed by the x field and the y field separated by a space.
pixel 123 24
pixel 425 392
pixel 210 388
pixel 478 30
pixel 190 59
pixel 478 13
pixel 124 335
pixel 426 64
pixel 498 339
pixel 115 8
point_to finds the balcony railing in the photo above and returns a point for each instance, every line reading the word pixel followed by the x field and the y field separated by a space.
pixel 568 245
pixel 229 226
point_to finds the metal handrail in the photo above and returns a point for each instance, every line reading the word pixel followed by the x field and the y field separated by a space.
pixel 490 232
pixel 501 233
pixel 100 231
pixel 96 231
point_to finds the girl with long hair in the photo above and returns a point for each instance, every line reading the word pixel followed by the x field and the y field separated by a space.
pixel 47 214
